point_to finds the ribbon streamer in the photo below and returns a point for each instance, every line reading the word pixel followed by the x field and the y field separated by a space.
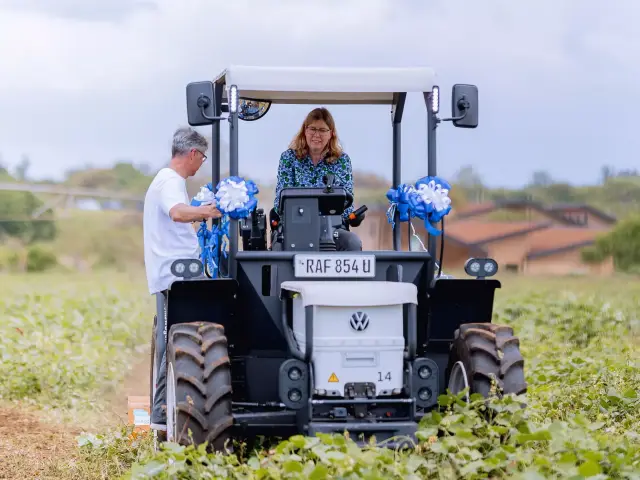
pixel 399 199
pixel 235 198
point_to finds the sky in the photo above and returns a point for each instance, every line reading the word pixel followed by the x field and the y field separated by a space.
pixel 90 82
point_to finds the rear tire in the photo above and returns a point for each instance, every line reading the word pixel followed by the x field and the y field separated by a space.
pixel 481 352
pixel 199 386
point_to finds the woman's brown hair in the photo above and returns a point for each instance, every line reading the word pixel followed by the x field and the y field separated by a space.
pixel 299 142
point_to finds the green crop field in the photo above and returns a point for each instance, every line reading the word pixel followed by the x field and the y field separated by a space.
pixel 69 343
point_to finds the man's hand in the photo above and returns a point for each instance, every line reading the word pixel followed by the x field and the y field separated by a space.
pixel 210 211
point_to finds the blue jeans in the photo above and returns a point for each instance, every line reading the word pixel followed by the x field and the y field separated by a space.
pixel 159 406
pixel 348 241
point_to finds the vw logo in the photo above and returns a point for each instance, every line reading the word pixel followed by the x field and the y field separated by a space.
pixel 359 321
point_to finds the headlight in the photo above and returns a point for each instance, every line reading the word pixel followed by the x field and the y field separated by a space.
pixel 481 267
pixel 424 394
pixel 435 99
pixel 187 268
pixel 295 395
pixel 233 99
pixel 295 374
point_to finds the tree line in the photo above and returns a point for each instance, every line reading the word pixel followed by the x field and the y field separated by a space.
pixel 616 193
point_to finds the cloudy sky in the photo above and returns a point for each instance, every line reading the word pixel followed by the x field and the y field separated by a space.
pixel 92 81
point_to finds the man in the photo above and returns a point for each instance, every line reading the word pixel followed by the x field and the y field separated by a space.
pixel 169 235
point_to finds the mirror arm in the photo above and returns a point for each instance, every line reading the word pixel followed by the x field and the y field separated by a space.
pixel 204 102
pixel 213 119
pixel 453 118
pixel 463 105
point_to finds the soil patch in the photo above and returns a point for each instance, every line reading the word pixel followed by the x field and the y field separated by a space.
pixel 30 445
pixel 34 445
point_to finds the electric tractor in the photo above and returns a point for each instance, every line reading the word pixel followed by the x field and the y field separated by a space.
pixel 273 332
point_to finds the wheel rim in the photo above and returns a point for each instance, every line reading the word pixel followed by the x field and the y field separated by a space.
pixel 171 403
pixel 458 379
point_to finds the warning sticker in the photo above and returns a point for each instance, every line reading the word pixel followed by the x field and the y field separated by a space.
pixel 333 378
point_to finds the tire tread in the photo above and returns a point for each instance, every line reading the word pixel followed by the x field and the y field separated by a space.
pixel 489 351
pixel 198 351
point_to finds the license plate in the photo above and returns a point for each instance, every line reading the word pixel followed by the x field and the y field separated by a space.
pixel 342 266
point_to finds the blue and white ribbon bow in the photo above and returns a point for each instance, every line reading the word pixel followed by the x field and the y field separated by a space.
pixel 399 199
pixel 428 200
pixel 235 198
pixel 431 201
pixel 204 197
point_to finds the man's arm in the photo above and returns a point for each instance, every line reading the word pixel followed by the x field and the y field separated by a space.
pixel 172 198
pixel 186 213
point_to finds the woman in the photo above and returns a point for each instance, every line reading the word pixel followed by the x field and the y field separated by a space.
pixel 314 152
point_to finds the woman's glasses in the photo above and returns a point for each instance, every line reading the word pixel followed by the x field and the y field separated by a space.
pixel 321 131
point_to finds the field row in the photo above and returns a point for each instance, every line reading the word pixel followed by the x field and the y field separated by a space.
pixel 68 340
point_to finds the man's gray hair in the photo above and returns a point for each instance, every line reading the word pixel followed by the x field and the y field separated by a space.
pixel 186 138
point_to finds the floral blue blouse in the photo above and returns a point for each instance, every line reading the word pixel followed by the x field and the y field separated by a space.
pixel 302 173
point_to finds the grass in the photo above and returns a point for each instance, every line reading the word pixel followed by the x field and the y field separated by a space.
pixel 69 340
pixel 88 240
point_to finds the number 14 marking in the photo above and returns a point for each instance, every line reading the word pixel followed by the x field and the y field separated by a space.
pixel 387 376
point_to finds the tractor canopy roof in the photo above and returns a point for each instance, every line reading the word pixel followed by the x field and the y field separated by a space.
pixel 326 85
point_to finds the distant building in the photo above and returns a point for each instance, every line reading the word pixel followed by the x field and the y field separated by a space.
pixel 523 237
pixel 87 204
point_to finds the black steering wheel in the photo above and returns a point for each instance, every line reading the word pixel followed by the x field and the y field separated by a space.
pixel 328 181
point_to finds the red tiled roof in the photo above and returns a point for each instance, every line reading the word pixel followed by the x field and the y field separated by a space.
pixel 473 208
pixel 477 231
pixel 560 237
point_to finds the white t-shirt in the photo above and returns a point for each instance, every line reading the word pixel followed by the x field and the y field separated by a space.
pixel 165 240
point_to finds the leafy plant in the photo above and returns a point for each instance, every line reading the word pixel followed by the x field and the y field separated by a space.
pixel 64 342
pixel 580 419
pixel 40 259
pixel 66 339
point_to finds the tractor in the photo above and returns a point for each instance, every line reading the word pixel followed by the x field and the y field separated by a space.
pixel 294 337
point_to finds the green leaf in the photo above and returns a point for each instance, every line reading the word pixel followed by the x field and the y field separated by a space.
pixel 298 441
pixel 596 426
pixel 589 469
pixel 320 472
pixel 540 435
pixel 292 467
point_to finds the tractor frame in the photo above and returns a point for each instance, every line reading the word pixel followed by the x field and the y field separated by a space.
pixel 236 331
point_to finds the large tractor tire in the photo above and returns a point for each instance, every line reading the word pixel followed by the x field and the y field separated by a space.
pixel 482 352
pixel 199 386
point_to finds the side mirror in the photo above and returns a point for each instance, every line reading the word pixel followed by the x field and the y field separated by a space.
pixel 250 110
pixel 464 106
pixel 200 104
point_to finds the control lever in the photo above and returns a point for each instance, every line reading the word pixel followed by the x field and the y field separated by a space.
pixel 355 217
pixel 274 218
pixel 328 180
